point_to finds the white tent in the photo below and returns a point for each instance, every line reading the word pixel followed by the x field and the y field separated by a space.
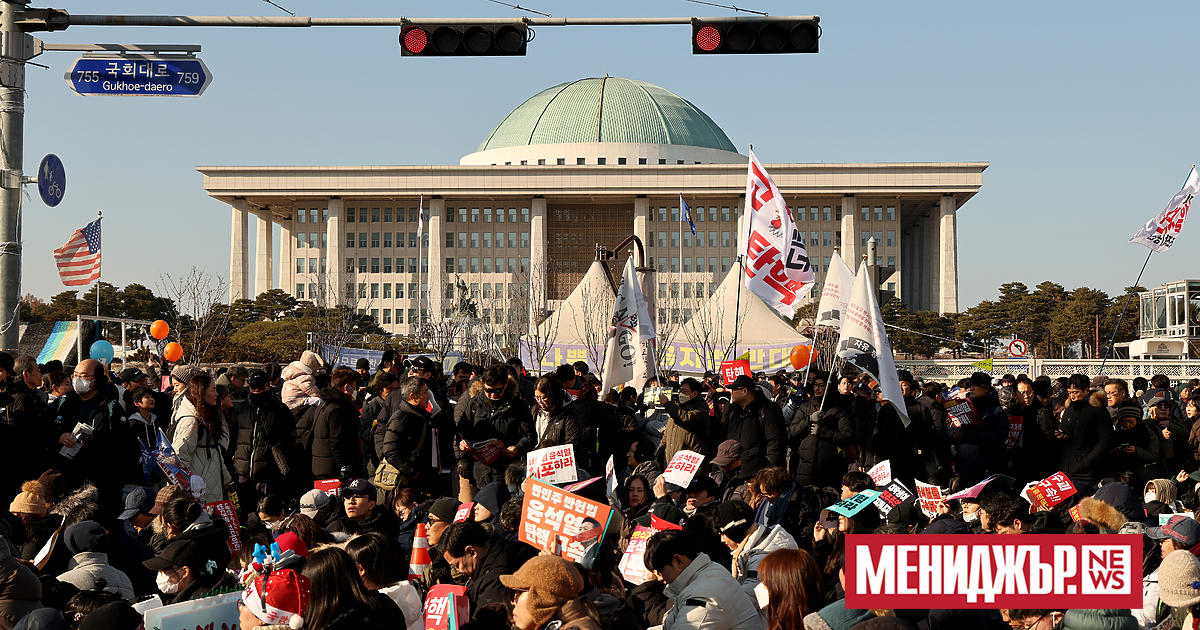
pixel 579 321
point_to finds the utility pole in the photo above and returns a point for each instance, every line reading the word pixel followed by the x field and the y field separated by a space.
pixel 12 145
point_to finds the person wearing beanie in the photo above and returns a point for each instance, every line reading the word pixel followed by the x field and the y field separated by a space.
pixel 438 518
pixel 1178 578
pixel 548 589
pixel 489 500
pixel 113 616
pixel 30 507
pixel 275 601
pixel 88 542
pixel 699 587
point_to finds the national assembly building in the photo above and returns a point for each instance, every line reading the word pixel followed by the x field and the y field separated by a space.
pixel 580 164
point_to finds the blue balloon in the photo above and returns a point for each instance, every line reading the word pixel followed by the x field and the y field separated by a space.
pixel 102 351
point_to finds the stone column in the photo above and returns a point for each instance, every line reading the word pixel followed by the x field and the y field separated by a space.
pixel 641 211
pixel 287 257
pixel 948 255
pixel 850 244
pixel 538 265
pixel 437 269
pixel 264 269
pixel 239 272
pixel 336 268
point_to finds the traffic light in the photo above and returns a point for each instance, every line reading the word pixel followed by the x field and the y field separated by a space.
pixel 464 40
pixel 755 36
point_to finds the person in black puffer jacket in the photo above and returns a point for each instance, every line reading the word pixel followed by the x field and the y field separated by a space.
pixel 981 448
pixel 1085 432
pixel 601 429
pixel 408 441
pixel 329 431
pixel 815 443
pixel 265 427
pixel 496 413
pixel 555 417
pixel 757 424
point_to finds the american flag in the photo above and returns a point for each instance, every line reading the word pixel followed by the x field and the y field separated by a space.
pixel 79 260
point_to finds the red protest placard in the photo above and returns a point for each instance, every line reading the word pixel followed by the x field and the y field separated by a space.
pixel 559 520
pixel 437 606
pixel 929 496
pixel 682 468
pixel 632 566
pixel 226 511
pixel 1014 431
pixel 962 412
pixel 1051 491
pixel 463 512
pixel 331 487
pixel 730 370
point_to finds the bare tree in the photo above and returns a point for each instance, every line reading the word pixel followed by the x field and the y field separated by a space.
pixel 707 331
pixel 443 331
pixel 198 317
pixel 535 314
pixel 336 316
pixel 593 319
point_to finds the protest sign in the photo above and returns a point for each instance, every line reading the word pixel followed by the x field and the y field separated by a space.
pixel 682 468
pixel 632 565
pixel 554 519
pixel 962 412
pixel 730 370
pixel 438 602
pixel 1051 491
pixel 928 495
pixel 553 465
pixel 610 477
pixel 662 524
pixel 891 495
pixel 1075 516
pixel 209 612
pixel 575 487
pixel 853 505
pixel 1014 431
pixel 170 465
pixel 228 513
pixel 331 487
pixel 974 491
pixel 488 451
pixel 881 473
pixel 464 512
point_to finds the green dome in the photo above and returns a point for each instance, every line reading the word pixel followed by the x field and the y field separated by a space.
pixel 607 110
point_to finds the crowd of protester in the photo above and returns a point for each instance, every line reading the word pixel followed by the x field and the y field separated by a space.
pixel 94 526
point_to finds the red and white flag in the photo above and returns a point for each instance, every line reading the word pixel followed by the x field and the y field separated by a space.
pixel 1160 233
pixel 79 260
pixel 776 263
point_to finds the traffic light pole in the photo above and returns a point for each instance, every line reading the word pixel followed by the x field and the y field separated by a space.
pixel 306 22
pixel 12 144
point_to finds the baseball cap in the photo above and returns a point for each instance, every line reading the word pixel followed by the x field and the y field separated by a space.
pixel 312 502
pixel 1181 528
pixel 160 501
pixel 138 500
pixel 425 364
pixel 360 487
pixel 728 451
pixel 742 382
pixel 362 364
pixel 132 375
pixel 258 380
pixel 181 553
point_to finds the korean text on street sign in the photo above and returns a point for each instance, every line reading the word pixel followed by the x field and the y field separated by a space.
pixel 138 76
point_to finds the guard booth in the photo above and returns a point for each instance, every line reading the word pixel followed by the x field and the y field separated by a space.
pixel 1169 323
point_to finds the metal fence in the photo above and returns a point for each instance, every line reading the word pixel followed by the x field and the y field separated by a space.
pixel 952 370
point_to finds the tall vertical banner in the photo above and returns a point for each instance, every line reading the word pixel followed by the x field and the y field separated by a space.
pixel 1160 232
pixel 835 295
pixel 864 344
pixel 631 326
pixel 777 267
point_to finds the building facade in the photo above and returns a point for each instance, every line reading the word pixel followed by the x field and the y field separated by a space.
pixel 581 164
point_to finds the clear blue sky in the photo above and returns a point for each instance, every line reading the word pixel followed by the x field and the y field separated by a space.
pixel 1086 113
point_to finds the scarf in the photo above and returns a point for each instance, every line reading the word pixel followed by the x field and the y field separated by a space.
pixel 775 508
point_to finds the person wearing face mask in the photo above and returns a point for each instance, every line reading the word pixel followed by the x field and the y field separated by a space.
pixel 92 402
pixel 185 574
pixel 688 428
pixel 265 430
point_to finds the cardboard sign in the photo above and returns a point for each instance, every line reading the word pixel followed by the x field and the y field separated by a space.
pixel 881 473
pixel 730 370
pixel 853 505
pixel 892 494
pixel 974 491
pixel 463 512
pixel 928 496
pixel 1014 431
pixel 682 468
pixel 228 513
pixel 1051 491
pixel 962 413
pixel 209 612
pixel 632 565
pixel 438 606
pixel 553 465
pixel 331 487
pixel 556 520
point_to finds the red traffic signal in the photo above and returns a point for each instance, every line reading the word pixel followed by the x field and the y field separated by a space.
pixel 755 36
pixel 464 40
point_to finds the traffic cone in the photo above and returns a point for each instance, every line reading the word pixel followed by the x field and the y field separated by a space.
pixel 420 555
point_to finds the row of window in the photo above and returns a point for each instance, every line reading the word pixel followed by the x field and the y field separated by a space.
pixel 476 291
pixel 484 215
pixel 374 290
pixel 687 265
pixel 486 267
pixel 825 239
pixel 374 267
pixel 475 241
pixel 378 215
pixel 673 237
pixel 697 214
pixel 374 239
pixel 866 236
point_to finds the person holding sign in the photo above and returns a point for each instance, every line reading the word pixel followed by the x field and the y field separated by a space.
pixel 757 424
pixel 981 438
pixel 688 428
pixel 497 413
pixel 555 417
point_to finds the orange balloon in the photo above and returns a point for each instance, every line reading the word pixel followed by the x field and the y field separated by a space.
pixel 160 329
pixel 802 355
pixel 173 352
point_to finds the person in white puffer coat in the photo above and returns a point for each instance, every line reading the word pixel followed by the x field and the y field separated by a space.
pixel 706 595
pixel 199 442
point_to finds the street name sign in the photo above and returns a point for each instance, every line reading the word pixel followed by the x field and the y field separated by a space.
pixel 138 76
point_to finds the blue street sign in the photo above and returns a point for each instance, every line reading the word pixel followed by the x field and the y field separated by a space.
pixel 52 180
pixel 138 76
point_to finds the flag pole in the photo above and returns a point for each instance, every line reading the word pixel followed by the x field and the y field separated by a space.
pixel 1120 319
pixel 99 215
pixel 679 229
pixel 422 292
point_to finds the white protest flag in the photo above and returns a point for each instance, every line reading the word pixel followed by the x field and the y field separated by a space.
pixel 835 295
pixel 630 327
pixel 1161 231
pixel 771 247
pixel 864 344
